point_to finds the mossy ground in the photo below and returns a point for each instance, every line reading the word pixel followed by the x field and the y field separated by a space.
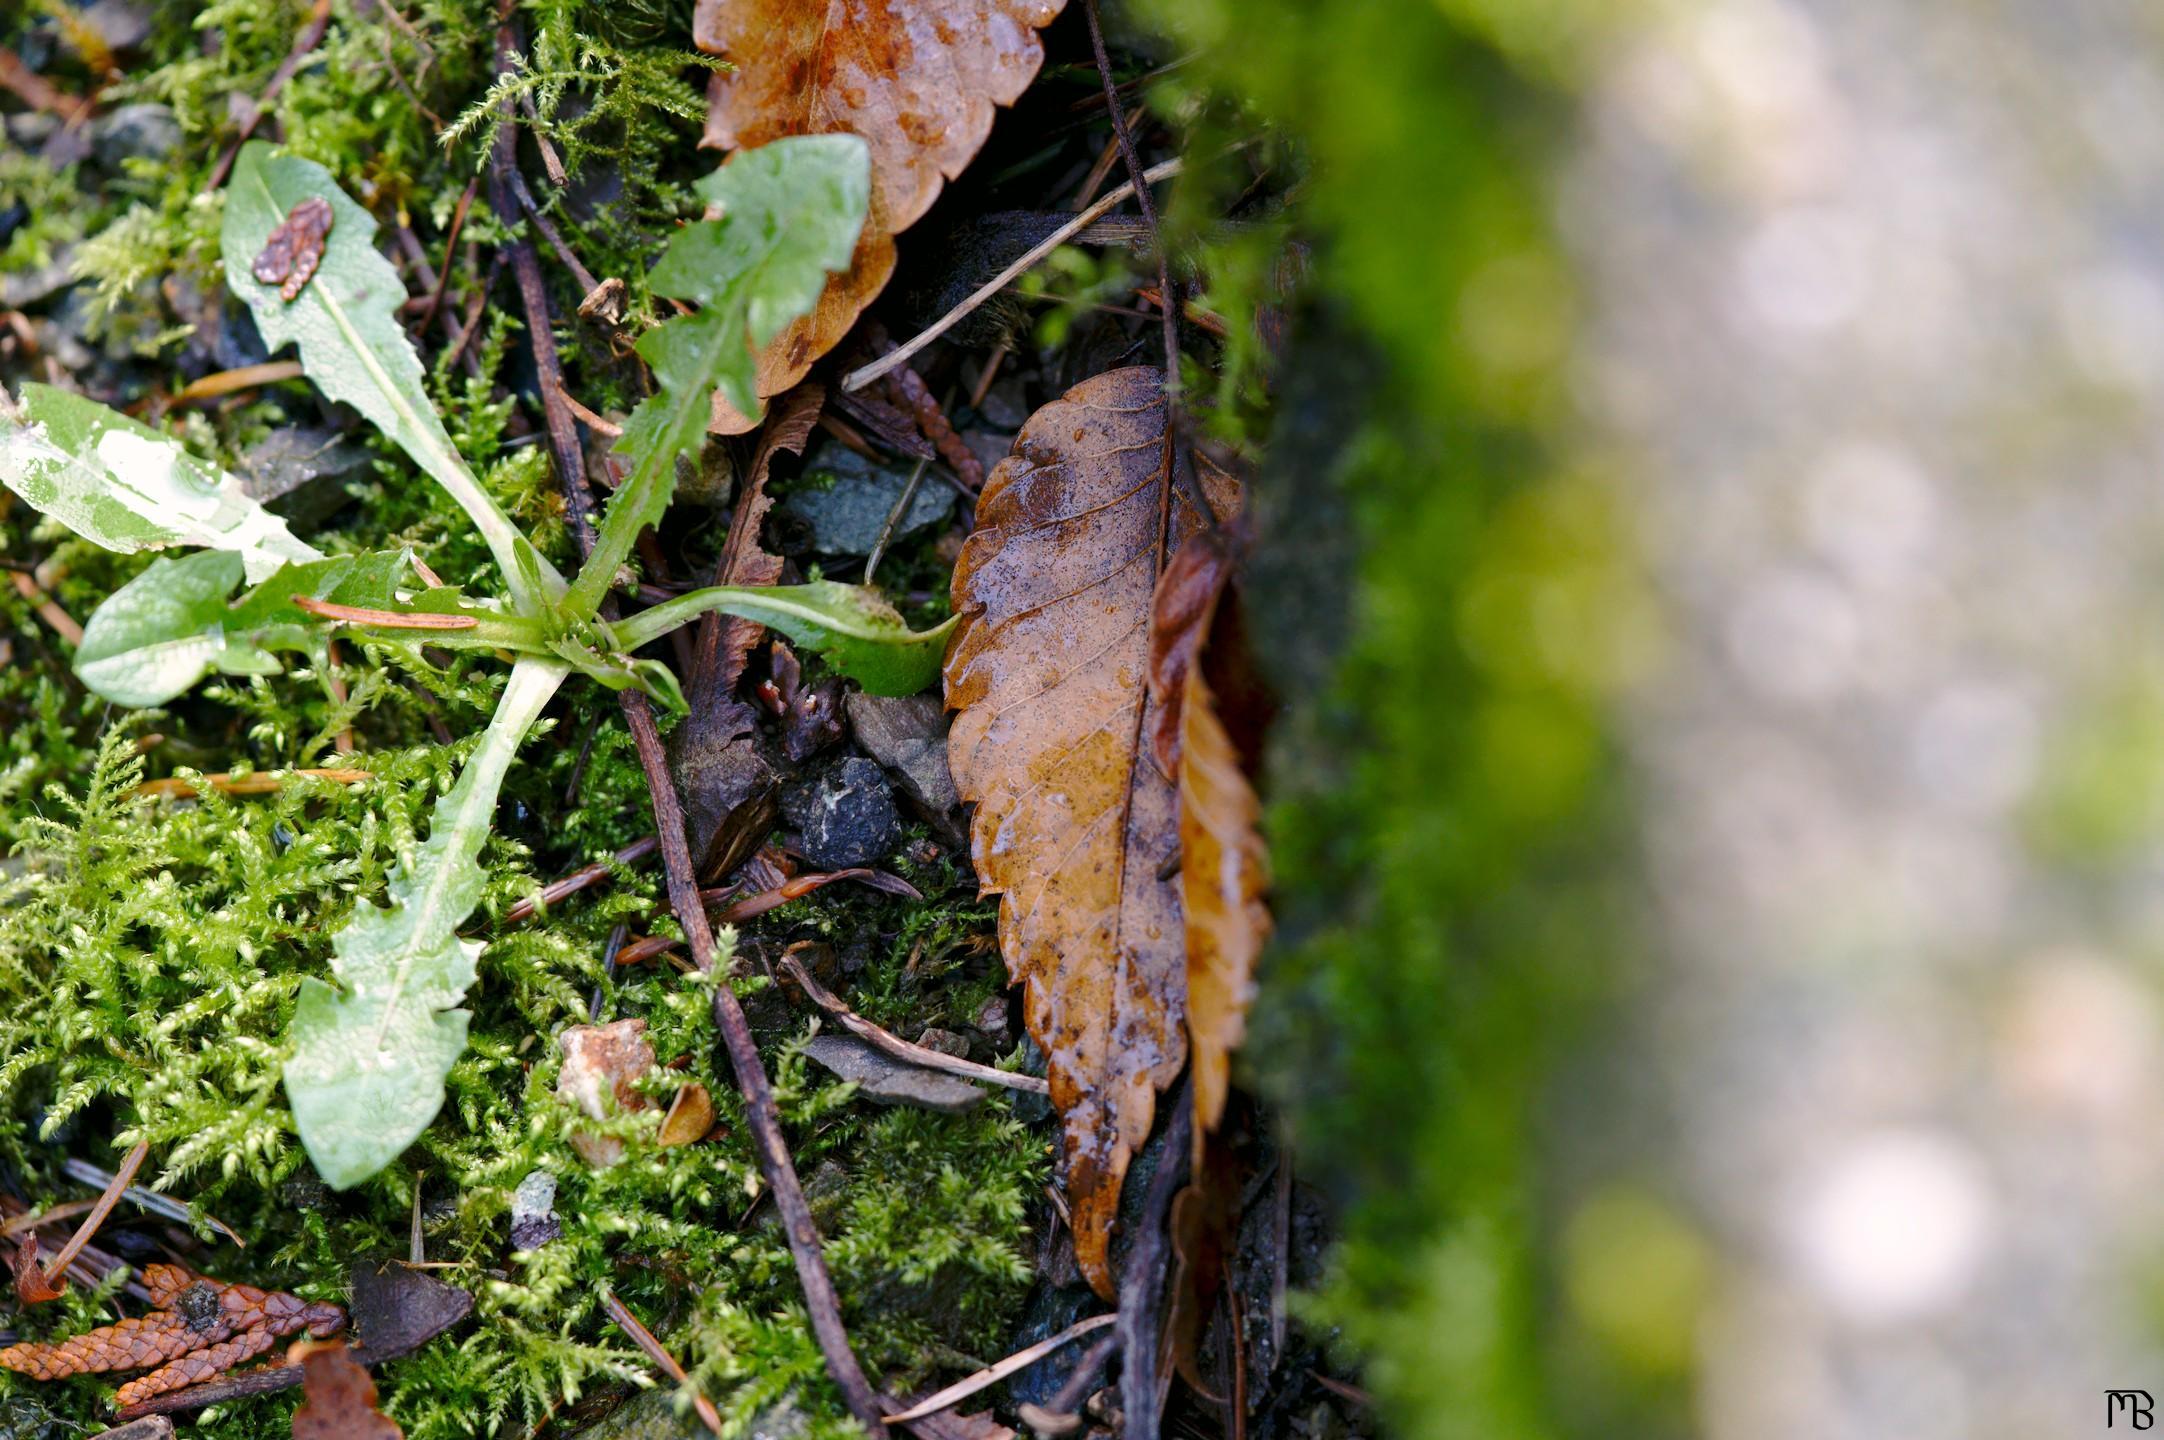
pixel 150 949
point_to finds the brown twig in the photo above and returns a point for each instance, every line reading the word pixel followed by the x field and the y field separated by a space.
pixel 260 782
pixel 450 243
pixel 901 1049
pixel 247 377
pixel 1145 1277
pixel 992 1374
pixel 319 21
pixel 383 619
pixel 557 891
pixel 659 1354
pixel 896 510
pixel 64 625
pixel 820 1301
pixel 98 1212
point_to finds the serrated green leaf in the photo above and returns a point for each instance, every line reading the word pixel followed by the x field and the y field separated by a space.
pixel 118 483
pixel 791 211
pixel 852 628
pixel 164 630
pixel 369 1059
pixel 345 321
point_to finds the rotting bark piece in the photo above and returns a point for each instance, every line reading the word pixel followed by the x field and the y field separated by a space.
pixel 880 1076
pixel 731 789
pixel 1074 822
pixel 290 256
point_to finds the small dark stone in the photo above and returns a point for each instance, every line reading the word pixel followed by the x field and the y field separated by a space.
pixel 305 1191
pixel 845 817
pixel 282 837
pixel 145 131
pixel 11 220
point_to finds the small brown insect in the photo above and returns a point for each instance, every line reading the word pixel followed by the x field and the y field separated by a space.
pixel 295 248
pixel 200 1328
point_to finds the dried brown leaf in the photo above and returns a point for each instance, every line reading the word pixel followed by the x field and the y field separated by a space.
pixel 1074 822
pixel 917 79
pixel 32 1286
pixel 691 1115
pixel 339 1397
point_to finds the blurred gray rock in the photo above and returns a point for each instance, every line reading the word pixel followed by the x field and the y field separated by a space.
pixel 302 472
pixel 844 516
pixel 145 131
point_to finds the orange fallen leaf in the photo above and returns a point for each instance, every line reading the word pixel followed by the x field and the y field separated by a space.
pixel 1074 822
pixel 339 1396
pixel 917 79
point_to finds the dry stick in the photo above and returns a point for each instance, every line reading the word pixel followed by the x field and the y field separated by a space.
pixel 450 245
pixel 894 517
pixel 557 891
pixel 992 1374
pixel 1060 1415
pixel 1146 1274
pixel 821 1303
pixel 311 36
pixel 64 624
pixel 98 1212
pixel 659 1354
pixel 901 1049
pixel 864 375
pixel 819 1297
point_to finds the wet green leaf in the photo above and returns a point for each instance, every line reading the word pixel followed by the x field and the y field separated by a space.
pixel 118 483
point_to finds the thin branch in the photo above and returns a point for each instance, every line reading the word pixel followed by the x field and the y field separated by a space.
pixel 659 1354
pixel 99 1211
pixel 864 375
pixel 820 1301
pixel 901 1049
pixel 557 891
pixel 992 1374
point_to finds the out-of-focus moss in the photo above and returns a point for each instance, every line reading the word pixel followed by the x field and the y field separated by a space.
pixel 1445 599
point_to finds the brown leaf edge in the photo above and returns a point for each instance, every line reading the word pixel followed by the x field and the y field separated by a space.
pixel 1224 865
pixel 339 1397
pixel 805 67
pixel 725 641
